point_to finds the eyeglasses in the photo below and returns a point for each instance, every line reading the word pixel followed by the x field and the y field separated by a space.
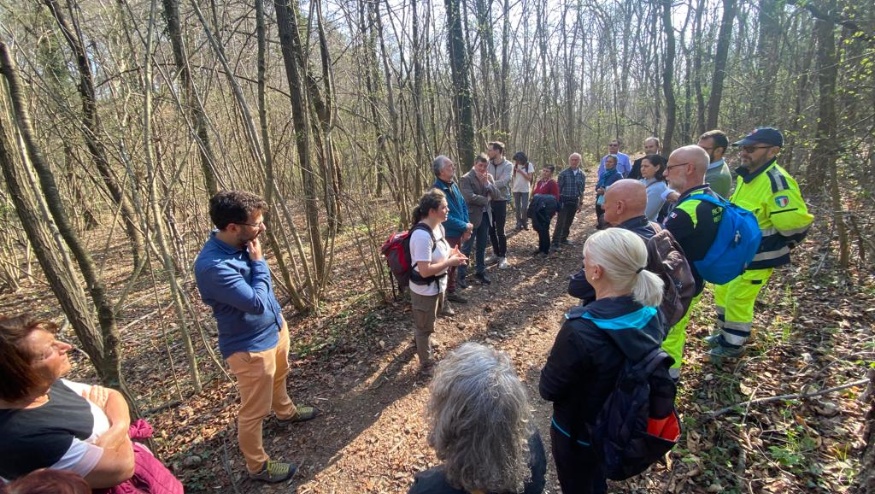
pixel 253 225
pixel 669 167
pixel 752 149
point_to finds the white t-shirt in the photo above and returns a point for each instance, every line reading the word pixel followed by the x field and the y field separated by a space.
pixel 421 250
pixel 520 184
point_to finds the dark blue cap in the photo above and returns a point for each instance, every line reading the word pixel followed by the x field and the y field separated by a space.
pixel 762 135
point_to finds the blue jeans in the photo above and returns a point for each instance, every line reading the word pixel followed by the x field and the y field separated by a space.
pixel 481 236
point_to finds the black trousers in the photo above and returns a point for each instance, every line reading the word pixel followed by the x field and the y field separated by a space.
pixel 600 217
pixel 563 222
pixel 496 230
pixel 577 467
pixel 544 240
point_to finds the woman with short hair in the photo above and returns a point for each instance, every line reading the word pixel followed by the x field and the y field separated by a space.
pixel 49 422
pixel 481 428
pixel 591 348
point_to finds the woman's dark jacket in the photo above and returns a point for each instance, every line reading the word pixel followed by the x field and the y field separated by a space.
pixel 589 353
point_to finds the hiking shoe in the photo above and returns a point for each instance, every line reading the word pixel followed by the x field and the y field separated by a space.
pixel 502 263
pixel 446 310
pixel 483 278
pixel 714 340
pixel 555 247
pixel 455 297
pixel 720 354
pixel 461 283
pixel 302 414
pixel 491 260
pixel 566 243
pixel 274 471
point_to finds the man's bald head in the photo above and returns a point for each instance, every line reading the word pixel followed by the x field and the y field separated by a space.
pixel 624 200
pixel 687 167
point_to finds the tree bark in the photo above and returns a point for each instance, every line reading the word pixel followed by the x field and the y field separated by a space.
pixel 730 8
pixel 191 98
pixel 668 77
pixel 462 104
pixel 823 159
pixel 293 51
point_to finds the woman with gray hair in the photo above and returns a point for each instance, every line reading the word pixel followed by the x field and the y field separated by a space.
pixel 593 345
pixel 481 428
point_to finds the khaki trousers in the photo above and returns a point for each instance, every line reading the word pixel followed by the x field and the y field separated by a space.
pixel 261 382
pixel 425 310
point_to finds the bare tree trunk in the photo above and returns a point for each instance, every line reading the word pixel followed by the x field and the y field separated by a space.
pixel 155 210
pixel 696 44
pixel 730 8
pixel 293 51
pixel 100 341
pixel 823 159
pixel 462 103
pixel 93 130
pixel 668 77
pixel 192 101
pixel 762 98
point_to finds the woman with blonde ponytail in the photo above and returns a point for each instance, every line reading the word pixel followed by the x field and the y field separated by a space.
pixel 592 346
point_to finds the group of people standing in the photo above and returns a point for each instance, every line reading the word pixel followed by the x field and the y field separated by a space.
pixel 479 413
pixel 619 319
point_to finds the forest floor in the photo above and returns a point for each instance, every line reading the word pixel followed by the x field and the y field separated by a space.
pixel 355 361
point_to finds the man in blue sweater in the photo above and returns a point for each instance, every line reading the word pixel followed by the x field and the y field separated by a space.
pixel 457 228
pixel 234 280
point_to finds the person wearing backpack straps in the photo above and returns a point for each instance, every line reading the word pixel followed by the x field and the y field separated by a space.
pixel 431 257
pixel 767 190
pixel 625 206
pixel 592 348
pixel 694 223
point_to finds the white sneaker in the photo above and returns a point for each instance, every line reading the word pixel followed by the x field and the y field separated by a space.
pixel 491 259
pixel 502 263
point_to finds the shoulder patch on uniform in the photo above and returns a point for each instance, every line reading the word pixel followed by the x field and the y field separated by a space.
pixel 782 201
pixel 778 180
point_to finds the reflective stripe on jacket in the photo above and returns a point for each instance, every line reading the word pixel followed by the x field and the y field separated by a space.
pixel 774 198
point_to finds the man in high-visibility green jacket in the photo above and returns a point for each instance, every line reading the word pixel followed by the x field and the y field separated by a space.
pixel 767 190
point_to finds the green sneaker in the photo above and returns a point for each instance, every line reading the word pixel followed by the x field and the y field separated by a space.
pixel 274 471
pixel 302 414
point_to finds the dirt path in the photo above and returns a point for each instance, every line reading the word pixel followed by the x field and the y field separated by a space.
pixel 372 435
pixel 356 362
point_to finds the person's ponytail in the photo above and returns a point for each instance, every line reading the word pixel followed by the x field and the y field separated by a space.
pixel 417 215
pixel 647 288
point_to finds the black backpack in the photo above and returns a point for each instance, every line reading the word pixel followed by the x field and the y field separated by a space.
pixel 638 423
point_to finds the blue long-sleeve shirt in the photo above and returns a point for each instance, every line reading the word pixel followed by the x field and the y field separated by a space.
pixel 240 292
